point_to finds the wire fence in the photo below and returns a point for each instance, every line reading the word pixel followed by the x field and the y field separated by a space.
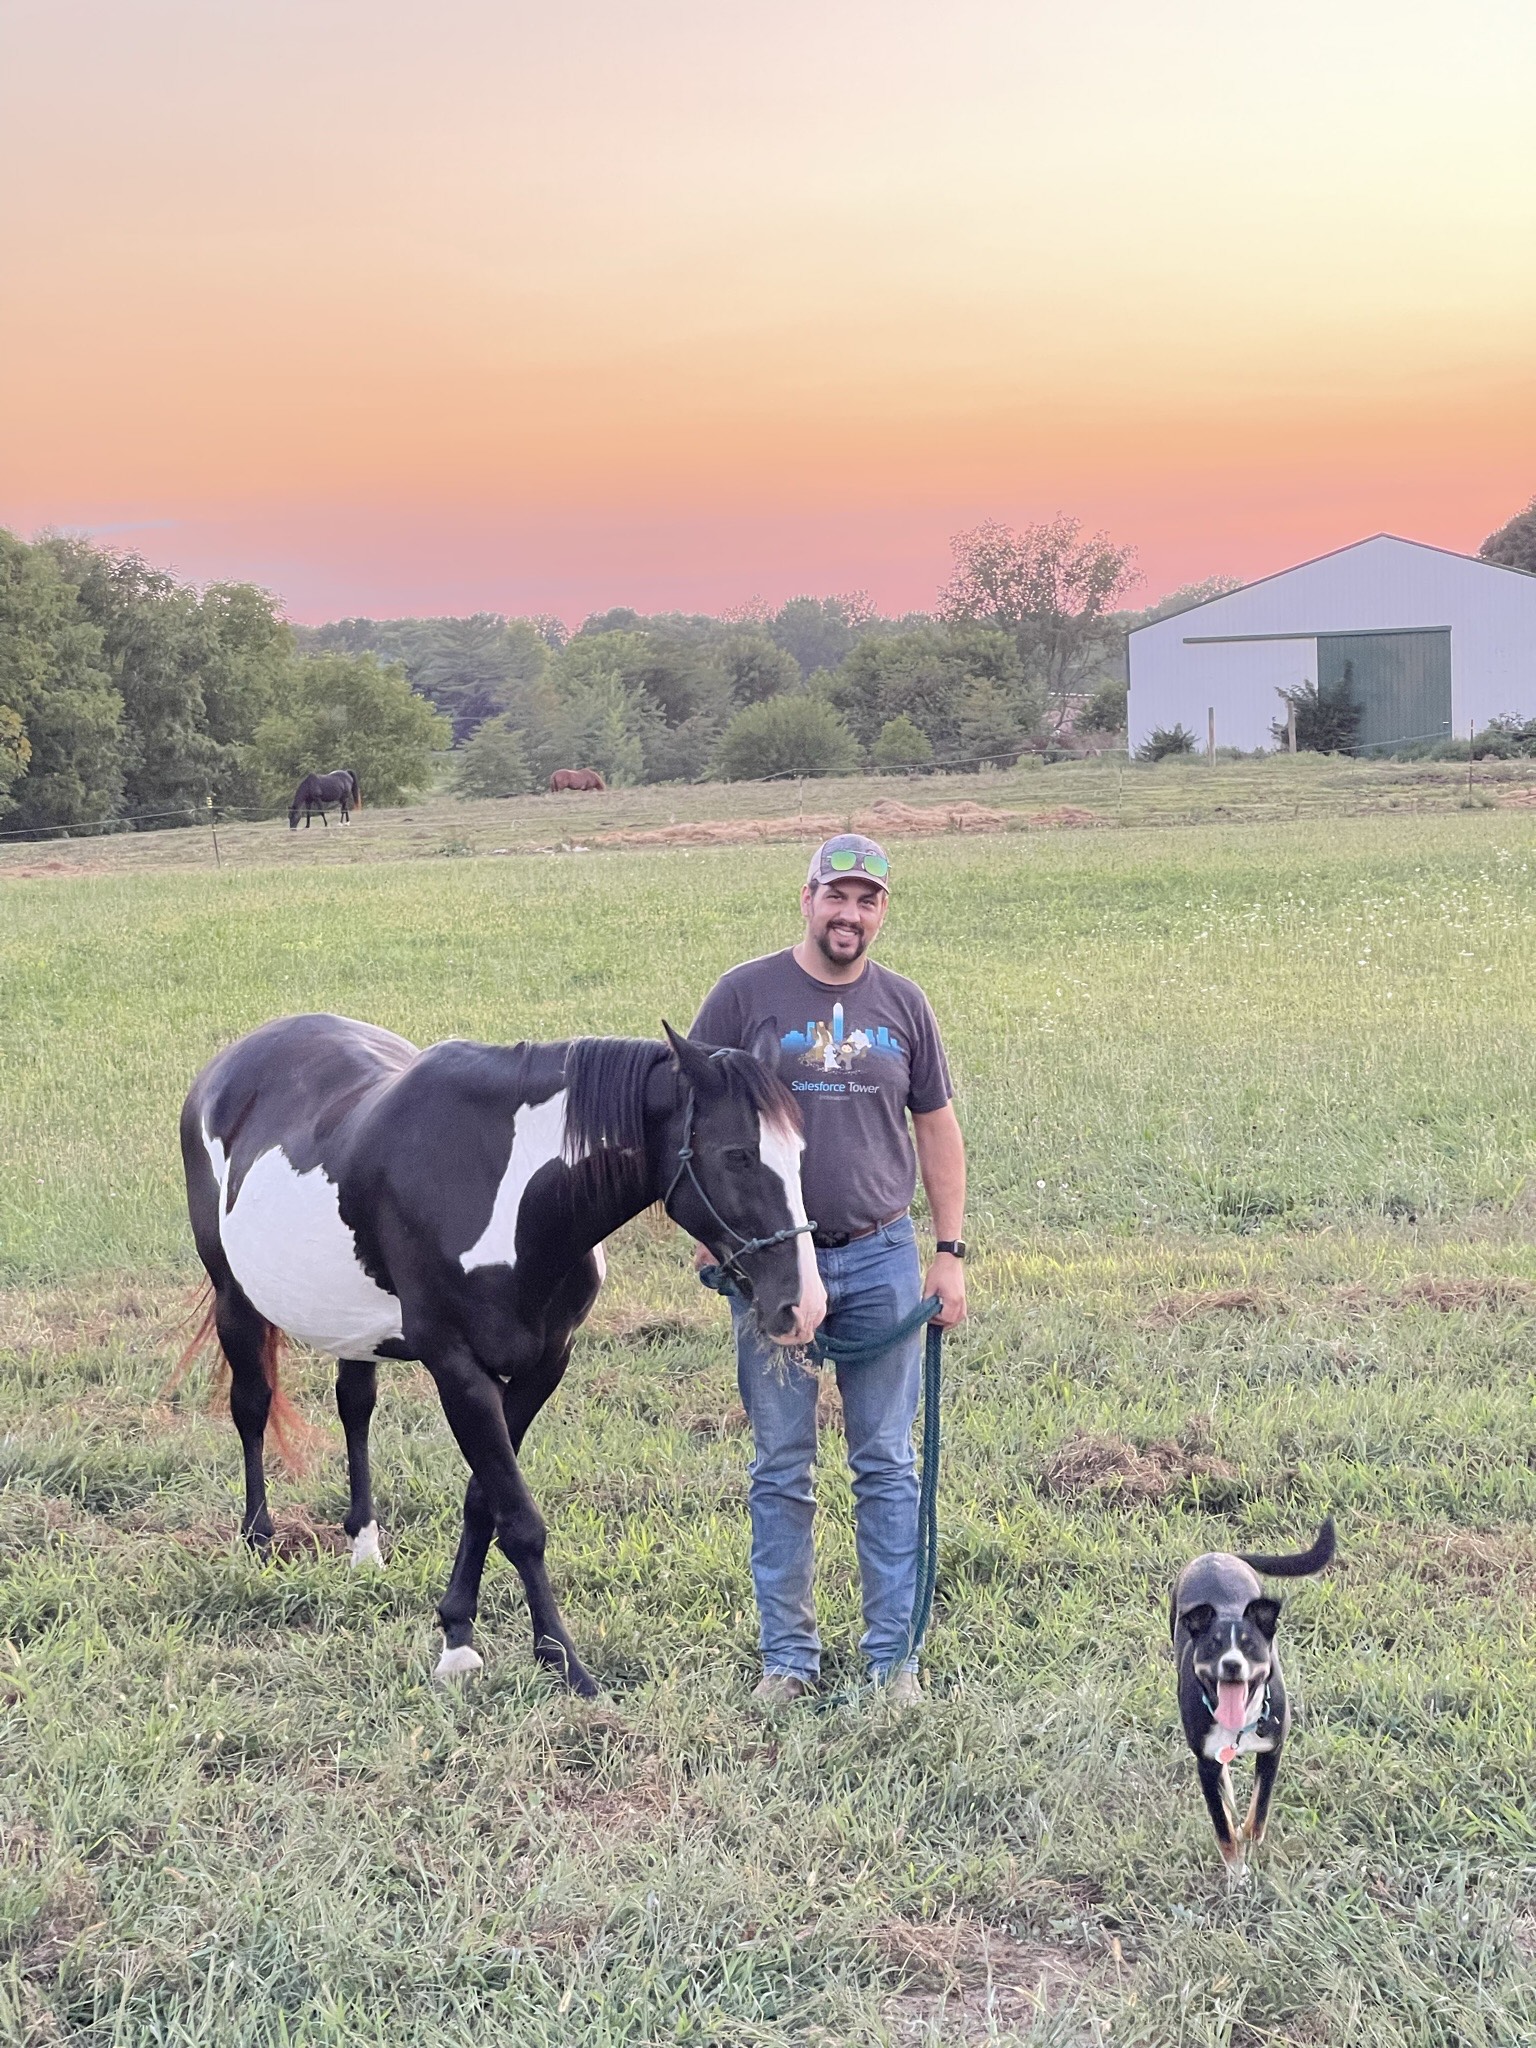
pixel 212 816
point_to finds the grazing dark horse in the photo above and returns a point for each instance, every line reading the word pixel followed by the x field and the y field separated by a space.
pixel 450 1206
pixel 315 792
pixel 575 778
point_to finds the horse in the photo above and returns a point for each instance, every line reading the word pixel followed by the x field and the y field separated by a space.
pixel 575 778
pixel 378 1202
pixel 316 791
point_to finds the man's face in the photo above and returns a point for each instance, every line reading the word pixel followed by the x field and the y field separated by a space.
pixel 842 917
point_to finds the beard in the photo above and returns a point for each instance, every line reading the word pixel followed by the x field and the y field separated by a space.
pixel 838 946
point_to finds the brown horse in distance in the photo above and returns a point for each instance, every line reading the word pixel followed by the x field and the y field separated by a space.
pixel 575 778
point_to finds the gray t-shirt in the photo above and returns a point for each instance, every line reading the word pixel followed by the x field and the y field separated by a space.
pixel 857 1056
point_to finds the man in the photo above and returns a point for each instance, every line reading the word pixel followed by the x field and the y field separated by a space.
pixel 859 1047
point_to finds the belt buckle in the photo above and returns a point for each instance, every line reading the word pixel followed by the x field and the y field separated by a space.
pixel 831 1240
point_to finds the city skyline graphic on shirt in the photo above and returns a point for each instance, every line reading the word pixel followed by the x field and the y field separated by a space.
pixel 834 1047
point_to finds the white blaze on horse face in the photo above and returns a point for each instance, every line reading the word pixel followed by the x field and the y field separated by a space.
pixel 538 1136
pixel 296 1260
pixel 780 1151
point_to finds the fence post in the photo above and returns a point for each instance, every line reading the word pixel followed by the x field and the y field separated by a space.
pixel 1290 722
pixel 1210 735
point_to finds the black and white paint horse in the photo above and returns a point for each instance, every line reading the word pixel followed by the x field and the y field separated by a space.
pixel 450 1206
pixel 318 792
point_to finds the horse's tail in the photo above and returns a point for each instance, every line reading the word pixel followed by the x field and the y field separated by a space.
pixel 357 790
pixel 295 1438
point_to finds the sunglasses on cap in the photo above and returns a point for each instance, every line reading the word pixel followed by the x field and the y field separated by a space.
pixel 847 860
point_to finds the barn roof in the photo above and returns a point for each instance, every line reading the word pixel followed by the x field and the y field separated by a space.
pixel 1328 555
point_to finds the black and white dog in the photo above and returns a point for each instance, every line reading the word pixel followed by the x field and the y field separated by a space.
pixel 1231 1693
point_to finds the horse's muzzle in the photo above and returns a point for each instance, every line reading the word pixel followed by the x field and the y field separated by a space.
pixel 798 1321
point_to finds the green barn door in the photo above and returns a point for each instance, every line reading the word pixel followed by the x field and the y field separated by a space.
pixel 1402 681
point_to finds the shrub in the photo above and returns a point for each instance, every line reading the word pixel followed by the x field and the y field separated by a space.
pixel 1165 740
pixel 1508 738
pixel 902 744
pixel 1105 709
pixel 786 735
pixel 494 762
pixel 1327 716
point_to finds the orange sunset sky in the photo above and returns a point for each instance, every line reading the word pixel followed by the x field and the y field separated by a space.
pixel 398 308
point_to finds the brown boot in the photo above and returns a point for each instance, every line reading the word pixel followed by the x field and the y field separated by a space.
pixel 780 1689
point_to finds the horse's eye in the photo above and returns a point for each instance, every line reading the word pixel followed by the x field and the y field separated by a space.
pixel 740 1155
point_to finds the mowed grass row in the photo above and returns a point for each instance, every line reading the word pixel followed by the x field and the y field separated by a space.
pixel 1251 1121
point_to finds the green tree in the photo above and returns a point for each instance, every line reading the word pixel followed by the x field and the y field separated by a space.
pixel 924 674
pixel 1105 709
pixel 786 735
pixel 1053 588
pixel 349 711
pixel 754 669
pixel 1514 545
pixel 247 654
pixel 991 731
pixel 15 753
pixel 467 667
pixel 820 631
pixel 493 762
pixel 154 644
pixel 54 680
pixel 902 744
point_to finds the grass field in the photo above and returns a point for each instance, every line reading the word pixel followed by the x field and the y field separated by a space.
pixel 1250 1106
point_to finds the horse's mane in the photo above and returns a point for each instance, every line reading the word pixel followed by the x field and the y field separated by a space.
pixel 605 1084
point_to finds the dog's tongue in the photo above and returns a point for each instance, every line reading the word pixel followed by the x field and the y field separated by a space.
pixel 1231 1704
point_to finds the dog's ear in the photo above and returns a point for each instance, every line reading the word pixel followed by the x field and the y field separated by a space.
pixel 1198 1619
pixel 1264 1613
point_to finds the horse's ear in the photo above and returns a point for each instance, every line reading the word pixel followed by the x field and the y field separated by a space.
pixel 694 1062
pixel 765 1046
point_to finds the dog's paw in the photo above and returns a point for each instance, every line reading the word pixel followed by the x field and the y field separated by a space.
pixel 1233 1855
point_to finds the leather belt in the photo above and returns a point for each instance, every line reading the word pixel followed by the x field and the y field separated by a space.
pixel 834 1240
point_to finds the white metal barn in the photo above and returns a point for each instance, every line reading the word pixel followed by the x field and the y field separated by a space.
pixel 1432 644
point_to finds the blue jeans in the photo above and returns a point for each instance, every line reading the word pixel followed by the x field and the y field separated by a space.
pixel 871 1284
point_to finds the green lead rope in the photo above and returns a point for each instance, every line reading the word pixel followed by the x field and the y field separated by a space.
pixel 720 1282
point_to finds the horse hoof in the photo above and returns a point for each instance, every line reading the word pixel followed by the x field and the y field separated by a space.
pixel 365 1547
pixel 461 1663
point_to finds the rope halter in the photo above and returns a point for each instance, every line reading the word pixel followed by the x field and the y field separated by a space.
pixel 744 1247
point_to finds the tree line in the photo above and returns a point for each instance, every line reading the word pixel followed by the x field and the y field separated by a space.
pixel 126 695
pixel 1026 639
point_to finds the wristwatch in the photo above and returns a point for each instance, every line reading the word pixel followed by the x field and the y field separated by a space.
pixel 955 1246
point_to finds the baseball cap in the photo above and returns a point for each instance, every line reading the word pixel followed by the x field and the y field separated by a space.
pixel 849 853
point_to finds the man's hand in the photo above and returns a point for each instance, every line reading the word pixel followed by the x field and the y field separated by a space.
pixel 946 1278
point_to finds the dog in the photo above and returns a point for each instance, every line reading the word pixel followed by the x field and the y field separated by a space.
pixel 1231 1693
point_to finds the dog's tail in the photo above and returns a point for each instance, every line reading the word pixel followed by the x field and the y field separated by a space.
pixel 1298 1563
